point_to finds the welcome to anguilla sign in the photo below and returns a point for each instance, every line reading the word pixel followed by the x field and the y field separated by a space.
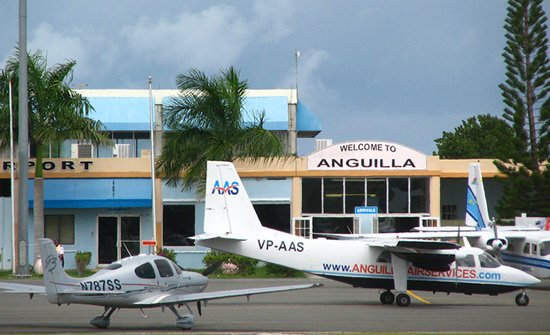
pixel 367 155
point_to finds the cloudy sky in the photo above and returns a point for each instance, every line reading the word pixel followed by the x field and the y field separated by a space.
pixel 399 71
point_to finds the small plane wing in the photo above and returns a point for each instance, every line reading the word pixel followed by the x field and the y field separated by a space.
pixel 168 299
pixel 10 287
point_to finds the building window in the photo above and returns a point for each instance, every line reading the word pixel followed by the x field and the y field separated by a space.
pixel 376 193
pixel 342 195
pixel 275 216
pixel 355 193
pixel 420 200
pixel 333 199
pixel 178 225
pixel 398 195
pixel 60 228
pixel 311 195
pixel 448 212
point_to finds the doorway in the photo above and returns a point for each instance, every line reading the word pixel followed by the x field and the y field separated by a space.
pixel 118 237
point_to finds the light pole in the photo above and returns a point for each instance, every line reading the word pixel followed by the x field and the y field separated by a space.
pixel 153 188
pixel 22 148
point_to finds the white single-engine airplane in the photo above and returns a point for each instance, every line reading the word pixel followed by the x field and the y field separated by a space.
pixel 231 225
pixel 139 282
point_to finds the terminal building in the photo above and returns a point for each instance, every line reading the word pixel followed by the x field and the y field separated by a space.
pixel 100 198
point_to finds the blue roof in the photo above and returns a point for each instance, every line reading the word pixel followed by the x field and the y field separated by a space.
pixel 99 193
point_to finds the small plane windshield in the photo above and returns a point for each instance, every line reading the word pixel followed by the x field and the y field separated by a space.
pixel 165 270
pixel 545 248
pixel 488 261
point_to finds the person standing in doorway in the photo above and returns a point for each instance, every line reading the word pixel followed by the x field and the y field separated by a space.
pixel 60 252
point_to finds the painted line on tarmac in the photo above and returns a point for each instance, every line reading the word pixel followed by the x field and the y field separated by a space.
pixel 419 298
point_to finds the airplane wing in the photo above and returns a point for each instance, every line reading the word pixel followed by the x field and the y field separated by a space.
pixel 424 254
pixel 168 299
pixel 9 287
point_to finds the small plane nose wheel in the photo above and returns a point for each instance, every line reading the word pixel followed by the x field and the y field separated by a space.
pixel 403 300
pixel 387 298
pixel 522 299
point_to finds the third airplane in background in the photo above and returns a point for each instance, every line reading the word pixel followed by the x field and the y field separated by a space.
pixel 386 263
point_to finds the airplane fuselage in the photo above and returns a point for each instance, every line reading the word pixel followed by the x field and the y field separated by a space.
pixel 362 265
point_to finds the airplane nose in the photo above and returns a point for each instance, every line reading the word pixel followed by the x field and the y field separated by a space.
pixel 530 280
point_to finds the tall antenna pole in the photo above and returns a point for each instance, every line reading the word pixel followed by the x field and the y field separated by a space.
pixel 153 188
pixel 297 55
pixel 23 147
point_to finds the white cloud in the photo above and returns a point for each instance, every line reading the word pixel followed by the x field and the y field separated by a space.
pixel 59 48
pixel 210 39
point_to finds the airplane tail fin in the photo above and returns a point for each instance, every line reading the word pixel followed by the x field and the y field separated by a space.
pixel 55 277
pixel 477 214
pixel 228 209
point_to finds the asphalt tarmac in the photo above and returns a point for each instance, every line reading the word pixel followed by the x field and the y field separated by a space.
pixel 334 307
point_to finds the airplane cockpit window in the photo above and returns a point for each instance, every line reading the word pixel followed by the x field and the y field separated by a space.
pixel 384 257
pixel 145 271
pixel 545 248
pixel 527 248
pixel 177 267
pixel 488 261
pixel 113 266
pixel 165 270
pixel 468 261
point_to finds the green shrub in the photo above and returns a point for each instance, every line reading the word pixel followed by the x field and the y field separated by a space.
pixel 246 266
pixel 282 271
pixel 168 253
pixel 82 259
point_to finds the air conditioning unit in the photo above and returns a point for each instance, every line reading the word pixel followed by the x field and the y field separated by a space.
pixel 320 144
pixel 121 150
pixel 82 150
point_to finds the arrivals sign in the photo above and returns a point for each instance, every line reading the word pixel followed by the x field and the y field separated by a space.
pixel 367 155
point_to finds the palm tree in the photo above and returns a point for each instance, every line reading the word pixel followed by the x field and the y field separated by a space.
pixel 207 119
pixel 56 113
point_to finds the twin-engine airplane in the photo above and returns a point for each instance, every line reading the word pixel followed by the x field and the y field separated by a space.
pixel 143 281
pixel 231 225
pixel 525 248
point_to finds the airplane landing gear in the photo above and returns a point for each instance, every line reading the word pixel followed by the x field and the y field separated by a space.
pixel 387 298
pixel 522 299
pixel 104 320
pixel 403 300
pixel 185 322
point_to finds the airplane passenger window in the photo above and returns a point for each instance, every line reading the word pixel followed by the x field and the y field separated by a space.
pixel 534 248
pixel 145 271
pixel 468 261
pixel 545 248
pixel 165 270
pixel 487 261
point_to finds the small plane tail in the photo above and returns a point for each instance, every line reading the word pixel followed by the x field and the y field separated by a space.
pixel 55 277
pixel 477 214
pixel 228 209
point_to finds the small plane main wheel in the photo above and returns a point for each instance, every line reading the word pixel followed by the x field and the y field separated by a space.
pixel 403 300
pixel 522 299
pixel 387 298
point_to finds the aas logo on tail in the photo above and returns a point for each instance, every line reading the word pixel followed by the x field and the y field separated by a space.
pixel 227 188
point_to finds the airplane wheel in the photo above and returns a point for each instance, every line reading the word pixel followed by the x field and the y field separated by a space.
pixel 387 298
pixel 403 300
pixel 522 299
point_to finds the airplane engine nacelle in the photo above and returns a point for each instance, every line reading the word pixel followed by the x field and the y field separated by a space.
pixel 496 244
